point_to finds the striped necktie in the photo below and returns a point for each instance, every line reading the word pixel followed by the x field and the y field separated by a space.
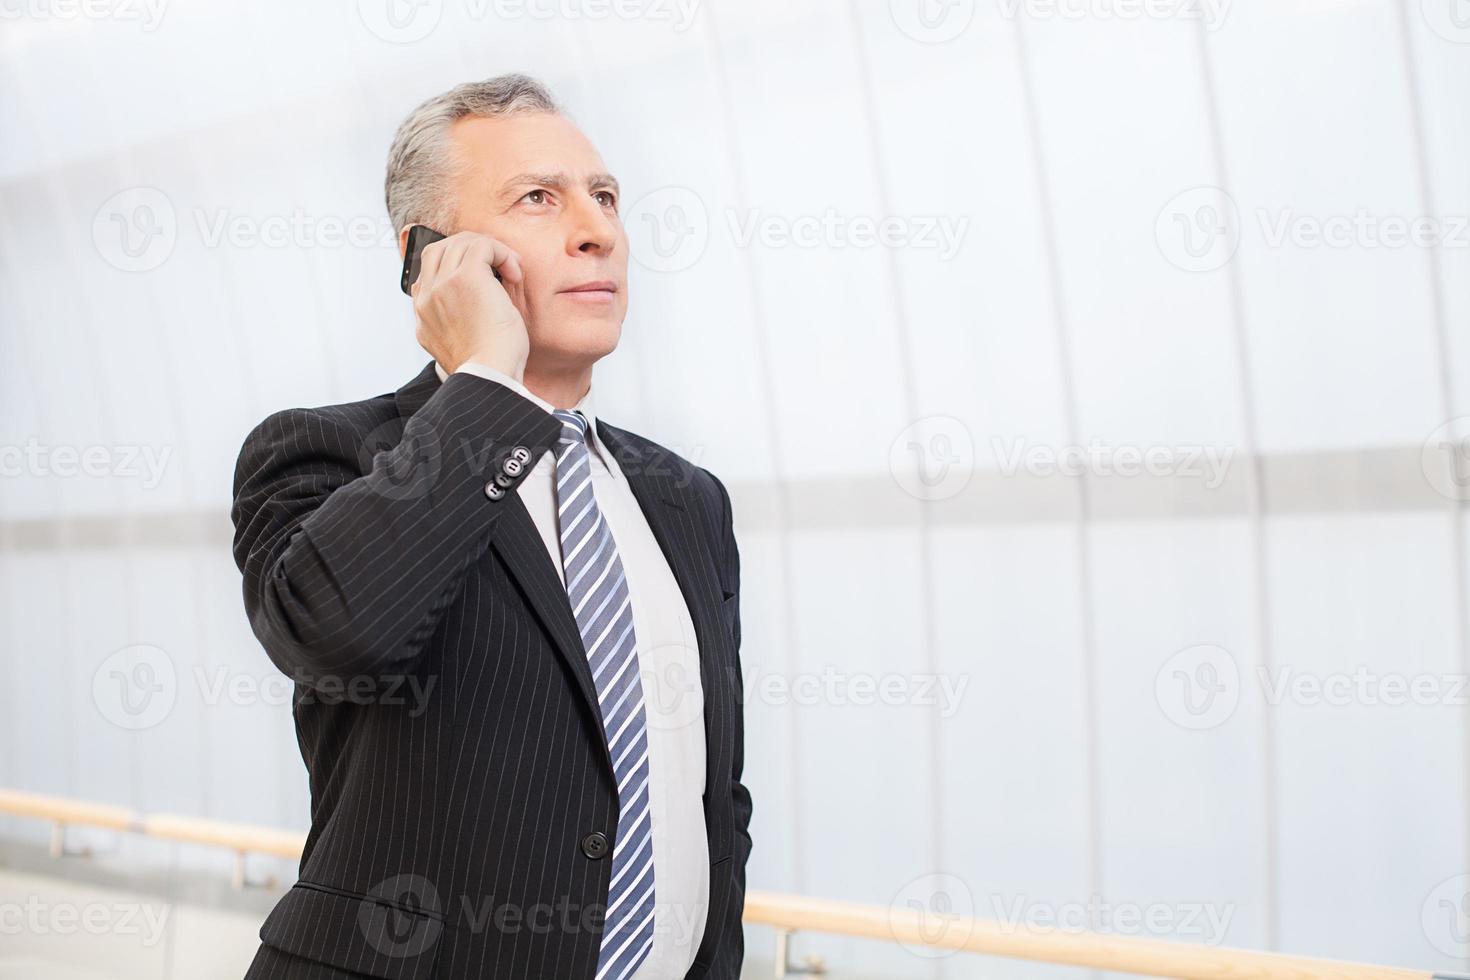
pixel 598 593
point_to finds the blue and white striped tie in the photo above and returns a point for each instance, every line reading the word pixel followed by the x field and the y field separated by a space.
pixel 599 596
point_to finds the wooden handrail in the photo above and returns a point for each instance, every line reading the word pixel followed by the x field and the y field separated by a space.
pixel 59 810
pixel 791 913
pixel 1101 951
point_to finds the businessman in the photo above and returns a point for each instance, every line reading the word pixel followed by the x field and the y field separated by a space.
pixel 513 628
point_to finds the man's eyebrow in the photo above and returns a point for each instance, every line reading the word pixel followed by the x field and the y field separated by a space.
pixel 559 182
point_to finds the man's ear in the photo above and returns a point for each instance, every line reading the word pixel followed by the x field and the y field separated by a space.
pixel 403 241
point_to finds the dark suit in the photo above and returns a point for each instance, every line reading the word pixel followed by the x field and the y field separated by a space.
pixel 462 794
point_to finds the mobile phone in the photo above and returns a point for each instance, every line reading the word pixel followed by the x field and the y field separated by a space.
pixel 419 236
pixel 413 255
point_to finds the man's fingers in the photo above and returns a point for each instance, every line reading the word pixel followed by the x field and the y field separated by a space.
pixel 498 256
pixel 429 258
pixel 458 251
pixel 455 247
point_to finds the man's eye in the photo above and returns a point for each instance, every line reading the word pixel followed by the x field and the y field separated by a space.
pixel 607 199
pixel 535 197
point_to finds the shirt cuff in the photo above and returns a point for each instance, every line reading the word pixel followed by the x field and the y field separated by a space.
pixel 494 374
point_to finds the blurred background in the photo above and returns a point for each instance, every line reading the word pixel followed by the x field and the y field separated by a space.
pixel 1090 377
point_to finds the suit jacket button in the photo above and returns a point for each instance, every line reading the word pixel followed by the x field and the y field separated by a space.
pixel 521 453
pixel 493 491
pixel 595 845
pixel 513 466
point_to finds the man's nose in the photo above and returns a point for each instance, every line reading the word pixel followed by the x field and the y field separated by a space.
pixel 592 229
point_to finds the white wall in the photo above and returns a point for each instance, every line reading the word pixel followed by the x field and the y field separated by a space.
pixel 1076 158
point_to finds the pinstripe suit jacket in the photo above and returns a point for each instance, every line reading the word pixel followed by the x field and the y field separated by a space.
pixel 444 707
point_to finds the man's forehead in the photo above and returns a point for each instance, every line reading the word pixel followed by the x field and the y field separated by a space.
pixel 510 147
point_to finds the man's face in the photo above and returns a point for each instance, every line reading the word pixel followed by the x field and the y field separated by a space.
pixel 535 182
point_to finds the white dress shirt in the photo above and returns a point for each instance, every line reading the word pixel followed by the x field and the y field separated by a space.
pixel 668 663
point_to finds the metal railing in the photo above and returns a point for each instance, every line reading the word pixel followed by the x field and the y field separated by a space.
pixel 789 914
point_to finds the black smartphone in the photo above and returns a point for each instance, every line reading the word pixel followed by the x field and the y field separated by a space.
pixel 418 237
pixel 413 255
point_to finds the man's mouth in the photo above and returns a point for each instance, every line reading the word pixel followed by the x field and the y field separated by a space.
pixel 599 291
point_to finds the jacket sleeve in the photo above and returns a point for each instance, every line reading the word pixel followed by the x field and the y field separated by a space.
pixel 349 557
pixel 741 794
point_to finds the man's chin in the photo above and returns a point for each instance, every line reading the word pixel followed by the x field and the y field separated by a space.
pixel 574 344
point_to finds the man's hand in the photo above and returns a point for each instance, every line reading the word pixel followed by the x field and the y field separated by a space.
pixel 464 313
